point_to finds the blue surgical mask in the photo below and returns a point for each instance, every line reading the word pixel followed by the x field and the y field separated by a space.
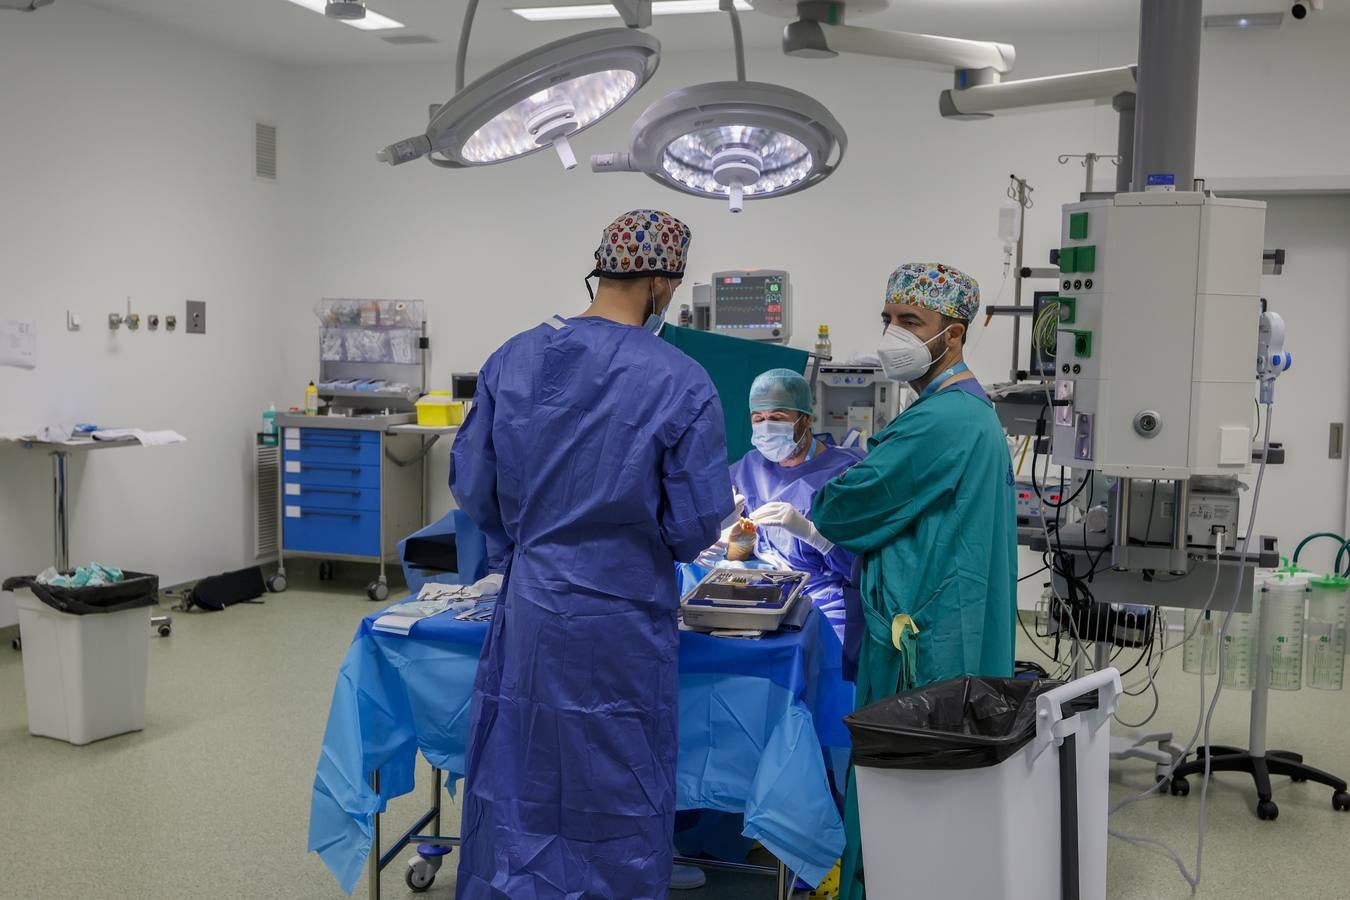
pixel 776 441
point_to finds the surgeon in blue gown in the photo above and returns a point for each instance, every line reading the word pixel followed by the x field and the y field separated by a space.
pixel 594 458
pixel 779 479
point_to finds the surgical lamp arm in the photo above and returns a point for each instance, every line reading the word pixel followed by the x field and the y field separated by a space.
pixel 985 99
pixel 810 38
pixel 635 13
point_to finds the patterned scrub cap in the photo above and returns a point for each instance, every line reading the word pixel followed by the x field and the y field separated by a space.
pixel 937 287
pixel 643 243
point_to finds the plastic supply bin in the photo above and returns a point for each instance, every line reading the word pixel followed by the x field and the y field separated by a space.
pixel 438 410
pixel 986 788
pixel 1324 632
pixel 85 665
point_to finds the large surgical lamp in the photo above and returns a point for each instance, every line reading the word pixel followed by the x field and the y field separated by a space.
pixel 537 100
pixel 734 140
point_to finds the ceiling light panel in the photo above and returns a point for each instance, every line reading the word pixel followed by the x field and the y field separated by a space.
pixel 372 22
pixel 607 10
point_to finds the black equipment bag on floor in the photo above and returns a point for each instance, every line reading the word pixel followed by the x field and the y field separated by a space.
pixel 219 591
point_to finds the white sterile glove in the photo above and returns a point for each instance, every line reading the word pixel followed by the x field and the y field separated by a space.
pixel 488 586
pixel 783 515
pixel 738 510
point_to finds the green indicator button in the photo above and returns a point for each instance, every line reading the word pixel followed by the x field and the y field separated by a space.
pixel 1067 260
pixel 1078 226
pixel 1085 259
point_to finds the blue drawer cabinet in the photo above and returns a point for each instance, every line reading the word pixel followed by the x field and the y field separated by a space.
pixel 304 448
pixel 333 531
pixel 352 475
pixel 325 496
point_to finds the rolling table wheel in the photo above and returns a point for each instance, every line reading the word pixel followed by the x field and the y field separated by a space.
pixel 16 643
pixel 1267 811
pixel 1340 801
pixel 165 630
pixel 325 571
pixel 277 583
pixel 1180 787
pixel 418 878
pixel 1296 780
pixel 377 591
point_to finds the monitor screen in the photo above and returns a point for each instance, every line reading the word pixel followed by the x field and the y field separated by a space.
pixel 749 301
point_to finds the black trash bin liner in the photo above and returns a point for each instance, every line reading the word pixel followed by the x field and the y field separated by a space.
pixel 135 590
pixel 963 723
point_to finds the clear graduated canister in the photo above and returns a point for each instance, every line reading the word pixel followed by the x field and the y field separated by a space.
pixel 1324 632
pixel 1201 653
pixel 1284 597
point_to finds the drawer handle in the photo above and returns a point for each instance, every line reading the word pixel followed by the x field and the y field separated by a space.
pixel 355 470
pixel 353 492
pixel 327 512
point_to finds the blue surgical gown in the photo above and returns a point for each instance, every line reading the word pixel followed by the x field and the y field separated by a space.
pixel 762 481
pixel 594 458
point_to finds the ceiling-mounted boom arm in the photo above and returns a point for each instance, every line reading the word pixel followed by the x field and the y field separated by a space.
pixel 983 100
pixel 808 38
pixel 635 13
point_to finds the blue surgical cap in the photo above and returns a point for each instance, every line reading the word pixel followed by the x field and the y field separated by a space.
pixel 781 389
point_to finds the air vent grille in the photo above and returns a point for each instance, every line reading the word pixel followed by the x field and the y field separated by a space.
pixel 265 151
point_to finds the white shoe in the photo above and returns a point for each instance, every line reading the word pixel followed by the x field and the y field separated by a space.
pixel 687 878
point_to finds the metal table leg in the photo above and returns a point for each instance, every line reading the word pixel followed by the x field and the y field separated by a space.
pixel 373 867
pixel 61 509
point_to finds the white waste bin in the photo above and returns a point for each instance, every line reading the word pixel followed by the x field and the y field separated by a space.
pixel 84 675
pixel 979 831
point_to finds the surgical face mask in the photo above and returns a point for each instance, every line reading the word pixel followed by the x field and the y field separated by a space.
pixel 904 357
pixel 656 320
pixel 776 441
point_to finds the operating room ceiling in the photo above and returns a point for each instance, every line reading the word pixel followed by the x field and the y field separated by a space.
pixel 286 33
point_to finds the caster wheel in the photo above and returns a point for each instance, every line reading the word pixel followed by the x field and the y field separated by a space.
pixel 325 571
pixel 16 644
pixel 1181 787
pixel 1296 780
pixel 165 631
pixel 419 877
pixel 377 591
pixel 277 583
pixel 1340 801
pixel 1267 811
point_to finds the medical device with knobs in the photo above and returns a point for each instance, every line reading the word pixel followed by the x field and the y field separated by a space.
pixel 1271 358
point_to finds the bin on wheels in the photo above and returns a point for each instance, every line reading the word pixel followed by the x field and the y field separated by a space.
pixel 986 787
pixel 86 654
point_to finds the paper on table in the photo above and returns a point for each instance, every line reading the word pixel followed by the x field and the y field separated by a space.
pixel 144 438
pixel 18 343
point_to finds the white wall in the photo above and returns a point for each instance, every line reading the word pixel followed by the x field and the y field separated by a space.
pixel 126 169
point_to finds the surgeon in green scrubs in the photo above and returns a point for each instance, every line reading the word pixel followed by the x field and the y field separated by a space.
pixel 930 510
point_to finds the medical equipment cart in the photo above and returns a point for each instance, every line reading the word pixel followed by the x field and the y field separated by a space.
pixel 352 480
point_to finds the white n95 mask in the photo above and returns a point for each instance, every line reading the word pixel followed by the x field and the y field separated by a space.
pixel 904 357
pixel 777 441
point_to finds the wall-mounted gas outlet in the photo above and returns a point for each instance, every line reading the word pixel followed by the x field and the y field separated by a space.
pixel 170 323
pixel 133 321
pixel 72 321
pixel 152 322
pixel 114 321
pixel 196 317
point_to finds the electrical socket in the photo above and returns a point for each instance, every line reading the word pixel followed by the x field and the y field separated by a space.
pixel 152 321
pixel 170 323
pixel 196 317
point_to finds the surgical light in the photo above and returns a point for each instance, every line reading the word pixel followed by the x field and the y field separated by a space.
pixel 537 100
pixel 739 140
pixel 372 21
pixel 607 10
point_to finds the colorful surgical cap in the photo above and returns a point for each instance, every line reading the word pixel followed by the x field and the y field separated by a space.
pixel 780 389
pixel 937 287
pixel 642 243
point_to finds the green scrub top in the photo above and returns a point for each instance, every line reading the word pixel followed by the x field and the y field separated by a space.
pixel 931 511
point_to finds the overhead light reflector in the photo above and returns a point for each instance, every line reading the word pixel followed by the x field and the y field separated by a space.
pixel 1245 20
pixel 733 140
pixel 537 100
pixel 607 10
pixel 373 21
